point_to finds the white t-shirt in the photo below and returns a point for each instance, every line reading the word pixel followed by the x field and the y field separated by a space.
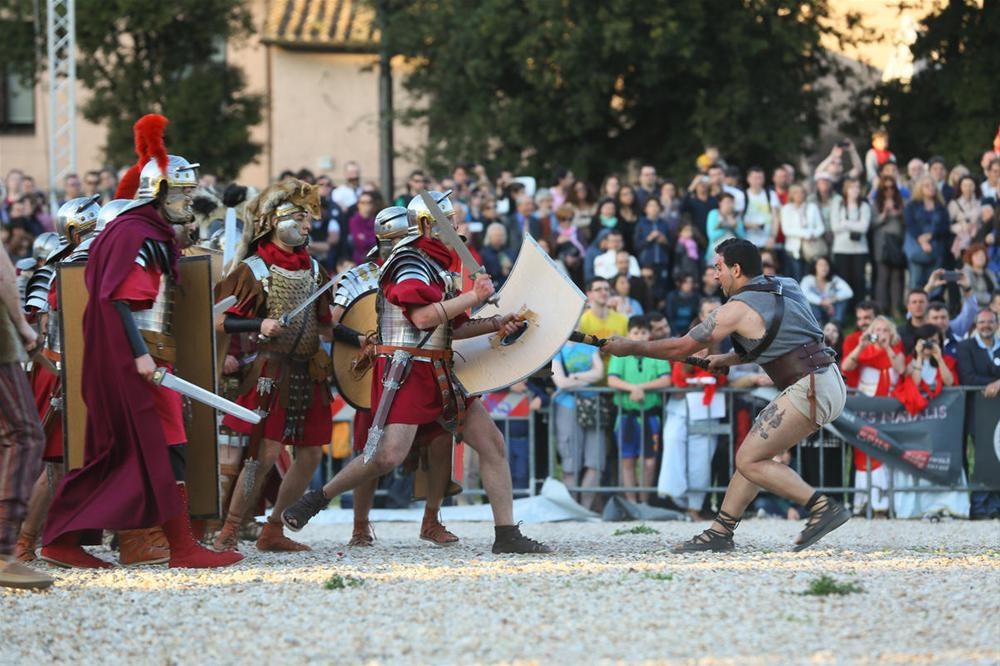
pixel 606 265
pixel 739 199
pixel 758 217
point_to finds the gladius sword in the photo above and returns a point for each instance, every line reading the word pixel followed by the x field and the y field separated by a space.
pixel 171 381
pixel 450 237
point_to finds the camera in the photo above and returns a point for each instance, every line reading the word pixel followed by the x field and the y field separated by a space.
pixel 872 337
pixel 951 276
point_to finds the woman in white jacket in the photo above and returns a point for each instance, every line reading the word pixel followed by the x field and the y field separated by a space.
pixel 803 227
pixel 828 294
pixel 849 222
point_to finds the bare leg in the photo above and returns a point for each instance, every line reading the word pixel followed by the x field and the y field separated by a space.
pixel 439 474
pixel 628 477
pixel 396 442
pixel 307 459
pixel 485 438
pixel 590 480
pixel 648 476
pixel 364 499
pixel 779 427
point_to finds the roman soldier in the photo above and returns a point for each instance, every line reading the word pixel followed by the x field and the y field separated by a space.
pixel 133 474
pixel 420 310
pixel 391 225
pixel 288 382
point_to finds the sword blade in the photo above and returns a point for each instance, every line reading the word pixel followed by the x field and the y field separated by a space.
pixel 230 238
pixel 449 236
pixel 220 308
pixel 198 394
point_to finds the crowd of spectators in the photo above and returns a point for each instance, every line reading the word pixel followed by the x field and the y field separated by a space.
pixel 907 257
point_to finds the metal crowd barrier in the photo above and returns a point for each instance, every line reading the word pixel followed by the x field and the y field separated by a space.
pixel 812 457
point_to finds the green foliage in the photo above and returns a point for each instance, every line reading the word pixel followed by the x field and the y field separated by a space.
pixel 140 57
pixel 592 84
pixel 638 529
pixel 825 586
pixel 338 582
pixel 950 106
pixel 660 576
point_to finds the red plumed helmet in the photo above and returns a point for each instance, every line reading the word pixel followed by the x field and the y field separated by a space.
pixel 148 132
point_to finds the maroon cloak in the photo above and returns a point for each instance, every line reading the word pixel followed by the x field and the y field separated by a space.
pixel 126 481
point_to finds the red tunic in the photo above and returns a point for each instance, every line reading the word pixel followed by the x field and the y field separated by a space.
pixel 418 400
pixel 318 427
pixel 140 289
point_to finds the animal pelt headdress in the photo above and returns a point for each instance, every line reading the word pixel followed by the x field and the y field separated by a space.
pixel 261 211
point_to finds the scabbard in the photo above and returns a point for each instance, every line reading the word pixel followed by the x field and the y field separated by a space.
pixel 394 378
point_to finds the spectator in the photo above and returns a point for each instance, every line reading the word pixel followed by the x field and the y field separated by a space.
pixel 991 186
pixel 916 316
pixel 979 365
pixel 683 304
pixel 609 188
pixel 568 248
pixel 833 337
pixel 628 215
pixel 659 327
pixel 600 320
pixel 606 265
pixel 518 434
pixel 91 183
pixel 652 240
pixel 606 218
pixel 995 303
pixel 698 203
pixel 915 170
pixel 763 209
pixel 519 222
pixel 967 215
pixel 109 183
pixel 981 278
pixel 851 219
pixel 562 179
pixel 710 287
pixel 362 228
pixel 496 261
pixel 937 316
pixel 958 172
pixel 935 289
pixel 887 246
pixel 652 295
pixel 731 184
pixel 927 231
pixel 887 171
pixel 864 314
pixel 878 361
pixel 543 220
pixel 578 439
pixel 352 176
pixel 622 301
pixel 72 188
pixel 826 200
pixel 878 154
pixel 723 222
pixel 416 182
pixel 687 251
pixel 647 186
pixel 640 405
pixel 584 203
pixel 938 171
pixel 804 231
pixel 671 208
pixel 828 294
pixel 834 163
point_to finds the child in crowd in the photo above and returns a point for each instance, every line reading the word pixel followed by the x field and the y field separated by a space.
pixel 640 408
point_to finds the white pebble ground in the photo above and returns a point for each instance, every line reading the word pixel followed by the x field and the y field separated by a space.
pixel 931 594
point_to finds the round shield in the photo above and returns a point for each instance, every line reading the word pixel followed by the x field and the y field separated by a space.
pixel 354 380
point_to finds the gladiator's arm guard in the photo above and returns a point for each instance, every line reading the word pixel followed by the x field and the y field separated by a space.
pixel 347 335
pixel 234 324
pixel 135 339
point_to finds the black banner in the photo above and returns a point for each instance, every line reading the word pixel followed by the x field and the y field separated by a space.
pixel 986 441
pixel 928 444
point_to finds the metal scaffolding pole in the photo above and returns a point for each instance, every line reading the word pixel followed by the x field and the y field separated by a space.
pixel 61 41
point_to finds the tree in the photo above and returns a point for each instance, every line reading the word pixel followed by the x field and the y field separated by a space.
pixel 950 106
pixel 140 57
pixel 592 84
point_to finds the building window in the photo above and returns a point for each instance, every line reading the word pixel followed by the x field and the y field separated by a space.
pixel 17 102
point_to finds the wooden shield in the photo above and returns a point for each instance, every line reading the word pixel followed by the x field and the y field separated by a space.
pixel 354 387
pixel 72 302
pixel 194 333
pixel 221 339
pixel 552 304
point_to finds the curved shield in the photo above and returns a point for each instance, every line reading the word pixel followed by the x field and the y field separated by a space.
pixel 551 304
pixel 353 384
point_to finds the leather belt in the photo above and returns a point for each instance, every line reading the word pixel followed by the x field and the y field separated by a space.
pixel 419 353
pixel 798 363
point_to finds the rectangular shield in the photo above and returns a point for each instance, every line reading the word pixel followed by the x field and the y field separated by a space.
pixel 72 302
pixel 194 332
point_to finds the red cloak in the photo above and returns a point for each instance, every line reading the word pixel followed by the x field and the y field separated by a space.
pixel 126 481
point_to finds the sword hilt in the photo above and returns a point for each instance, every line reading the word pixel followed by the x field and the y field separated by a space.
pixel 703 363
pixel 158 375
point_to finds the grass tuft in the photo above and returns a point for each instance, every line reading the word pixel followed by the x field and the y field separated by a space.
pixel 824 586
pixel 338 582
pixel 638 529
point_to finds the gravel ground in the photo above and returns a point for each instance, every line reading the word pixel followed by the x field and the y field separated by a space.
pixel 931 594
